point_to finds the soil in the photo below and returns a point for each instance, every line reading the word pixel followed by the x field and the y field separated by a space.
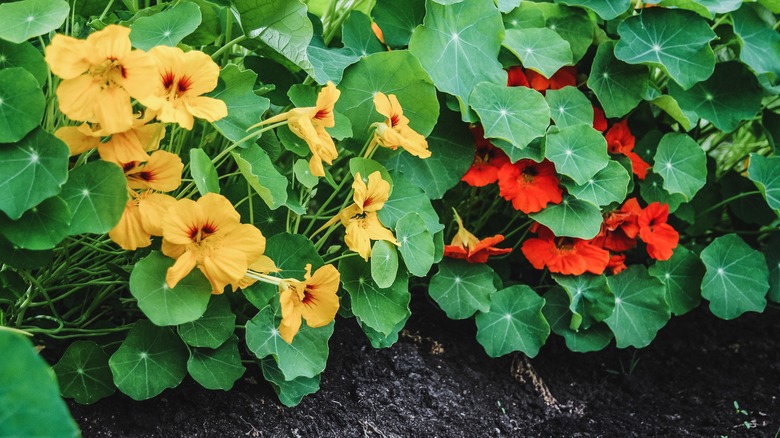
pixel 437 381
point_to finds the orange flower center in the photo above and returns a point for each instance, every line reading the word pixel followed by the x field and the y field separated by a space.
pixel 198 234
pixel 177 88
pixel 321 114
pixel 109 71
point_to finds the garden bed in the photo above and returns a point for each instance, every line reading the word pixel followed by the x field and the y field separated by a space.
pixel 438 381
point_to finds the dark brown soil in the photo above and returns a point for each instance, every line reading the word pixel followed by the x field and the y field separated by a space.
pixel 437 381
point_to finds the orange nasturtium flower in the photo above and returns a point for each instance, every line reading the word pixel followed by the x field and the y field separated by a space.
pixel 565 255
pixel 313 299
pixel 162 172
pixel 100 75
pixel 621 141
pixel 395 130
pixel 529 185
pixel 208 234
pixel 467 246
pixel 178 83
pixel 360 218
pixel 309 124
pixel 660 237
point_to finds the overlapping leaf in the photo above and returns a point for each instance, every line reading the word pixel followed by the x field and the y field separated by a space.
pixel 513 323
pixel 640 307
pixel 461 288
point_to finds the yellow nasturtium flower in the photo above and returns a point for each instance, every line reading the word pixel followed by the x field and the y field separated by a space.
pixel 361 220
pixel 99 76
pixel 178 84
pixel 141 219
pixel 395 132
pixel 208 234
pixel 309 124
pixel 162 172
pixel 313 299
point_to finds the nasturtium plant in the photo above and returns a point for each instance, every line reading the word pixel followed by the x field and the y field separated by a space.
pixel 194 187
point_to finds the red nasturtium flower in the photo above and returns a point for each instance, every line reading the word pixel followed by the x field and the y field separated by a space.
pixel 617 263
pixel 599 120
pixel 467 246
pixel 529 185
pixel 516 77
pixel 566 76
pixel 621 141
pixel 487 160
pixel 660 237
pixel 620 228
pixel 564 255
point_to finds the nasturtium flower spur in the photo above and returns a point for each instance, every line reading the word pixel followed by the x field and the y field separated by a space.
pixel 313 299
pixel 395 131
pixel 99 77
pixel 467 246
pixel 178 84
pixel 309 124
pixel 208 234
pixel 529 185
pixel 141 219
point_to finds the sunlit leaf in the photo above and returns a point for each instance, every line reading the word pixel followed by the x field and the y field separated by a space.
pixel 514 114
pixel 22 20
pixel 578 151
pixel 21 104
pixel 541 49
pixel 608 185
pixel 572 217
pixel 166 28
pixel 569 107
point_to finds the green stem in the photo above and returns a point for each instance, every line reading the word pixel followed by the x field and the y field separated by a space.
pixel 105 11
pixel 343 256
pixel 228 45
pixel 727 200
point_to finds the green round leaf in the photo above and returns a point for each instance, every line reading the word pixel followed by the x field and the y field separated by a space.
pixel 41 227
pixel 609 185
pixel 682 275
pixel 367 166
pixel 13 255
pixel 213 328
pixel 640 307
pixel 236 88
pixel 736 280
pixel 513 114
pixel 380 340
pixel 329 63
pixel 458 46
pixel 541 49
pixel 686 119
pixel 578 152
pixel 617 85
pixel 28 392
pixel 676 39
pixel 259 171
pixel 381 309
pixel 22 20
pixel 682 164
pixel 514 323
pixel 461 288
pixel 606 9
pixel 556 311
pixel 730 96
pixel 416 244
pixel 573 26
pixel 569 107
pixel 162 305
pixel 35 168
pixel 357 36
pixel 282 26
pixel 290 392
pixel 218 368
pixel 651 189
pixel 398 19
pixel 305 357
pixel 384 263
pixel 166 28
pixel 572 218
pixel 150 360
pixel 409 198
pixel 760 42
pixel 26 56
pixel 83 373
pixel 96 193
pixel 591 300
pixel 21 103
pixel 765 173
pixel 527 15
pixel 203 172
pixel 396 72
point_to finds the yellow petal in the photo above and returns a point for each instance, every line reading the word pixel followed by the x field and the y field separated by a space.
pixel 67 56
pixel 113 110
pixel 202 71
pixel 129 233
pixel 111 42
pixel 376 231
pixel 383 105
pixel 206 108
pixel 321 302
pixel 413 142
pixel 356 238
pixel 77 97
pixel 247 239
pixel 291 314
pixel 396 117
pixel 162 172
pixel 123 147
pixel 181 221
pixel 371 197
pixel 326 100
pixel 183 266
pixel 138 69
pixel 153 208
pixel 76 140
pixel 463 238
pixel 218 211
pixel 224 266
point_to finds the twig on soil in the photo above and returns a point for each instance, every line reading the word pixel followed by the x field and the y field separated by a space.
pixel 524 372
pixel 437 348
pixel 373 428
